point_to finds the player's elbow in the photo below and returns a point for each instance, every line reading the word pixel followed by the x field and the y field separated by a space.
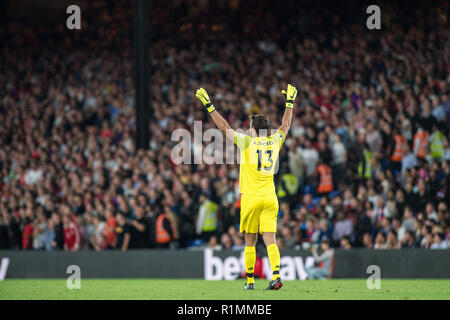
pixel 285 126
pixel 224 127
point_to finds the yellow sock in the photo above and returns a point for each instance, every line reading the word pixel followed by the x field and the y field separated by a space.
pixel 250 258
pixel 274 258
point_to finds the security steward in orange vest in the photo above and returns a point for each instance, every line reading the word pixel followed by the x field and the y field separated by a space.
pixel 164 232
pixel 324 178
pixel 421 143
pixel 397 150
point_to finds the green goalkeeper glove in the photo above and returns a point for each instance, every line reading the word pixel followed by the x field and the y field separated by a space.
pixel 204 98
pixel 289 96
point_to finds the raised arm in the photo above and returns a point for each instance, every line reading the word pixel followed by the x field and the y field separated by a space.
pixel 289 97
pixel 219 121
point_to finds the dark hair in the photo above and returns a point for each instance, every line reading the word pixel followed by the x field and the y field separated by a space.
pixel 393 232
pixel 382 233
pixel 440 235
pixel 259 122
pixel 411 233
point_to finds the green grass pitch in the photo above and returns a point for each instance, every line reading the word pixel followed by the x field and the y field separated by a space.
pixel 190 289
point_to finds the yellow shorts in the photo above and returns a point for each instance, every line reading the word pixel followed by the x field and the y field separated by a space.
pixel 258 213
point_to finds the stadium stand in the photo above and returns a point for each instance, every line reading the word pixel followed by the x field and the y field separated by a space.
pixel 373 112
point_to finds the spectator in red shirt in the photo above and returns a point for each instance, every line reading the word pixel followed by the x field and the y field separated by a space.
pixel 71 234
pixel 27 235
pixel 111 223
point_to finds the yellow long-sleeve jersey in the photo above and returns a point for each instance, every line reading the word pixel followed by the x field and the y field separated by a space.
pixel 258 162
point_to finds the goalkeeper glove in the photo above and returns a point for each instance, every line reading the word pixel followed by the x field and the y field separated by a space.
pixel 289 96
pixel 203 96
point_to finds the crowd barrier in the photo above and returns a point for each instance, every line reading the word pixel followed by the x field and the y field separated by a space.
pixel 218 265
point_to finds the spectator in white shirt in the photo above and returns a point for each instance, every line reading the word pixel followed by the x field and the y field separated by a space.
pixel 373 138
pixel 338 150
pixel 396 224
pixel 438 242
pixel 33 175
pixel 343 227
pixel 311 157
pixel 409 161
pixel 380 241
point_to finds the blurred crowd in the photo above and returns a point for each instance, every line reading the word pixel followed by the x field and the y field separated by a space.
pixel 365 164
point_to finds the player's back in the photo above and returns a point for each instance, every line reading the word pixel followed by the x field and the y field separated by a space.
pixel 258 162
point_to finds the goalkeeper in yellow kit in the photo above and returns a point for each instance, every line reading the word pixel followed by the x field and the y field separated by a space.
pixel 259 203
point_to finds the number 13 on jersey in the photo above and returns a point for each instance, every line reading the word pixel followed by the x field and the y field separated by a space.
pixel 269 163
